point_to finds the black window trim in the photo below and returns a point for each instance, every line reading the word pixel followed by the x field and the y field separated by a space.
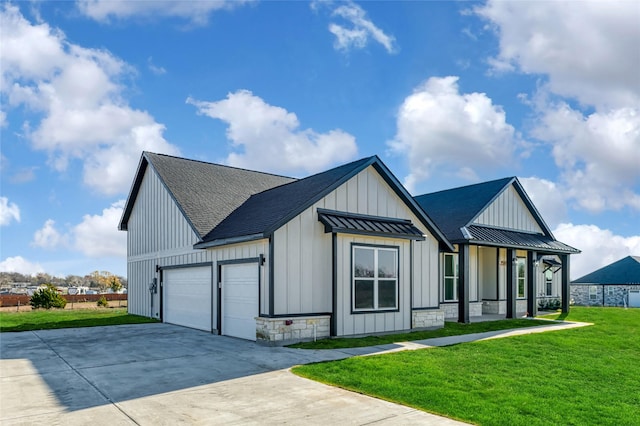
pixel 352 284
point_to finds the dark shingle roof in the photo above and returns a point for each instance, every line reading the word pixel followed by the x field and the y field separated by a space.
pixel 265 210
pixel 205 192
pixel 505 238
pixel 624 271
pixel 454 208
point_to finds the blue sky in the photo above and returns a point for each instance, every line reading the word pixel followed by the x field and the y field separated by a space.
pixel 446 93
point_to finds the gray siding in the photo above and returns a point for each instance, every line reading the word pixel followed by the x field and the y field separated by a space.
pixel 508 211
pixel 303 271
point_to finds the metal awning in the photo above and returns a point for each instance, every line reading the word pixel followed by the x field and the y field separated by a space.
pixel 483 235
pixel 350 223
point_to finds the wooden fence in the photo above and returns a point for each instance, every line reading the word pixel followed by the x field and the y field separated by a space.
pixel 23 299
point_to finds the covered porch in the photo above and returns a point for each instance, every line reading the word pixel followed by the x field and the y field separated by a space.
pixel 503 273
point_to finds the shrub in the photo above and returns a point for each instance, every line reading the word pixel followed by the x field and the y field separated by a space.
pixel 47 298
pixel 102 302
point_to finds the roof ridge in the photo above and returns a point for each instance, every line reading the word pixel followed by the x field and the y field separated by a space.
pixel 218 164
pixel 510 178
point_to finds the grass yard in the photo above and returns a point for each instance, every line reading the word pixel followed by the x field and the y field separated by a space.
pixel 55 318
pixel 584 376
pixel 449 329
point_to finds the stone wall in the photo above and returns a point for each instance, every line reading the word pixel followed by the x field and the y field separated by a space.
pixel 282 331
pixel 494 307
pixel 427 318
pixel 614 295
pixel 451 309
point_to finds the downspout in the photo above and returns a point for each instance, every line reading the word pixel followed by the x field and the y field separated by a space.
pixel 603 295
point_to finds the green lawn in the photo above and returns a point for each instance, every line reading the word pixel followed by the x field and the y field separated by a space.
pixel 450 329
pixel 584 376
pixel 47 319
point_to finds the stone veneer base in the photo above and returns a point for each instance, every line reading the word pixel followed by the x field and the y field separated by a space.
pixel 281 331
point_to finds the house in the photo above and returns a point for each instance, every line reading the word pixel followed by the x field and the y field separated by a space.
pixel 259 256
pixel 617 284
pixel 340 253
pixel 505 255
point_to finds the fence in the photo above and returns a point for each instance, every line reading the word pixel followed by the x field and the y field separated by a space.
pixel 23 299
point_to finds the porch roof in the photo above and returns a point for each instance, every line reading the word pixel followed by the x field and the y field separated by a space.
pixel 482 235
pixel 349 223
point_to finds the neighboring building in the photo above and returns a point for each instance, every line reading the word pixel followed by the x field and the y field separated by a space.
pixel 505 255
pixel 343 252
pixel 617 284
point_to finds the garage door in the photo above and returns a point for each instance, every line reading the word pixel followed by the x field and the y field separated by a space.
pixel 634 298
pixel 187 297
pixel 240 300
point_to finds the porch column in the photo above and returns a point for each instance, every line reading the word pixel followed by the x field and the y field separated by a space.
pixel 566 293
pixel 532 288
pixel 511 284
pixel 463 283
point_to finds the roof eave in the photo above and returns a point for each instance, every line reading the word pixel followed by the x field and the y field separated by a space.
pixel 230 240
pixel 133 192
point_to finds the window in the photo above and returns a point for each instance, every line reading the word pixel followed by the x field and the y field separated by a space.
pixel 593 292
pixel 521 265
pixel 450 277
pixel 375 278
pixel 548 281
pixel 611 291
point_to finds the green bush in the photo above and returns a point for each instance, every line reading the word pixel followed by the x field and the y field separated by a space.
pixel 102 302
pixel 47 298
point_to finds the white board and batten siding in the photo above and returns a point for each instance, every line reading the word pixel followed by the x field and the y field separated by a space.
pixel 348 323
pixel 508 211
pixel 158 234
pixel 303 251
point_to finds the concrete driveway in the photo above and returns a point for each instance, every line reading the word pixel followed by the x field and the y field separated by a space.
pixel 150 374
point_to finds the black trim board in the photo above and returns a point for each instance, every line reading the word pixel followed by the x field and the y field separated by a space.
pixel 309 314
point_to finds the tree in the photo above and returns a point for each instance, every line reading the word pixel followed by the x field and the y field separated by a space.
pixel 47 297
pixel 115 284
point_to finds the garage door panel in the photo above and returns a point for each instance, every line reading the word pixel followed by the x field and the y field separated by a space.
pixel 634 299
pixel 240 300
pixel 187 297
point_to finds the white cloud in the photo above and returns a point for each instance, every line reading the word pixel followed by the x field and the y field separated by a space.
pixel 80 98
pixel 600 247
pixel 98 235
pixel 48 236
pixel 359 31
pixel 268 137
pixel 157 70
pixel 599 154
pixel 20 265
pixel 588 49
pixel 8 212
pixel 196 12
pixel 439 126
pixel 547 198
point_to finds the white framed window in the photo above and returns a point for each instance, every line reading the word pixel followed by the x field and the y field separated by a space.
pixel 521 267
pixel 593 292
pixel 374 278
pixel 450 277
pixel 611 291
pixel 548 282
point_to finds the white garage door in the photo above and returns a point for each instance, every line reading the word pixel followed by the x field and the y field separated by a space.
pixel 634 298
pixel 240 300
pixel 187 297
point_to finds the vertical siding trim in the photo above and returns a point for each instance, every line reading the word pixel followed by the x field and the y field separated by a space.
pixel 271 274
pixel 334 284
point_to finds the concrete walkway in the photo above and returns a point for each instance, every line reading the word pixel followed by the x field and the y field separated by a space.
pixel 155 374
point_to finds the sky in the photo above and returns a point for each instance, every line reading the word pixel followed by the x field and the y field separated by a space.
pixel 445 93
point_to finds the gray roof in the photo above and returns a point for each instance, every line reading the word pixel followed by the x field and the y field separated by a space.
pixel 360 224
pixel 206 193
pixel 623 271
pixel 265 212
pixel 487 236
pixel 454 211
